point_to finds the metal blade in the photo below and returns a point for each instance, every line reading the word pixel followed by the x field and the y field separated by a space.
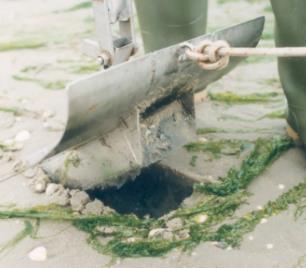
pixel 106 111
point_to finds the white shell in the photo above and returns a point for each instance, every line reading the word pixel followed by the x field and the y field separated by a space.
pixel 38 254
pixel 201 218
pixel 281 186
pixel 263 221
pixel 23 135
pixel 251 238
pixel 269 246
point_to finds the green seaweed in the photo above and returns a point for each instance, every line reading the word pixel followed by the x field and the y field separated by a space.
pixel 11 110
pixel 232 234
pixel 211 130
pixel 51 85
pixel 28 230
pixel 279 114
pixel 300 262
pixel 218 148
pixel 231 97
pixel 77 7
pixel 264 153
pixel 21 44
pixel 193 161
pixel 219 203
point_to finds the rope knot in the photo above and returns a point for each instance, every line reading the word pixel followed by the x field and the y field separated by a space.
pixel 207 54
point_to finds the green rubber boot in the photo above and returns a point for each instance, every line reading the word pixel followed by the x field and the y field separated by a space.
pixel 167 22
pixel 291 31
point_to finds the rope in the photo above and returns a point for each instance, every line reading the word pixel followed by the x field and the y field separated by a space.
pixel 216 55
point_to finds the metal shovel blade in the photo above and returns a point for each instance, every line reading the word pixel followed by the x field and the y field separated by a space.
pixel 134 114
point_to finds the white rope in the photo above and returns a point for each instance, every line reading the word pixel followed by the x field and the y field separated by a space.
pixel 216 55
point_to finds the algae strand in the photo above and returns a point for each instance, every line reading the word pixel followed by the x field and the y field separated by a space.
pixel 264 153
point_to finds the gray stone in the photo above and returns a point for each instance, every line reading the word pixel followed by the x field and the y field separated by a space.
pixel 61 198
pixel 161 233
pixel 79 200
pixel 183 234
pixel 95 207
pixel 175 224
pixel 106 230
pixel 30 173
pixel 40 186
pixel 54 188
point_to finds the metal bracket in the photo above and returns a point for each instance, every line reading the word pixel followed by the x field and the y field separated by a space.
pixel 115 32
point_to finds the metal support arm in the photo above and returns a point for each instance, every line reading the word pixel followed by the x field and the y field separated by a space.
pixel 115 32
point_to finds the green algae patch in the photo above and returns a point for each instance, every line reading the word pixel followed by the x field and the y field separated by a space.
pixel 28 230
pixel 20 45
pixel 263 155
pixel 193 161
pixel 207 220
pixel 233 98
pixel 279 114
pixel 205 131
pixel 86 68
pixel 232 234
pixel 211 130
pixel 77 7
pixel 11 110
pixel 218 148
pixel 51 85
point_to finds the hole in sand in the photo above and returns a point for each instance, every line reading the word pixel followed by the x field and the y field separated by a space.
pixel 155 192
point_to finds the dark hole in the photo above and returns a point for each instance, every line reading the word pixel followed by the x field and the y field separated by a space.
pixel 155 192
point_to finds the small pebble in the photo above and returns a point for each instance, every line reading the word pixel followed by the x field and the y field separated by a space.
pixel 263 221
pixel 79 200
pixel 131 240
pixel 203 140
pixel 53 188
pixel 38 254
pixel 201 218
pixel 61 198
pixel 251 238
pixel 281 187
pixel 155 232
pixel 175 224
pixel 40 186
pixel 106 230
pixel 22 136
pixel 93 208
pixel 30 173
pixel 161 233
pixel 222 245
pixel 183 234
pixel 269 246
